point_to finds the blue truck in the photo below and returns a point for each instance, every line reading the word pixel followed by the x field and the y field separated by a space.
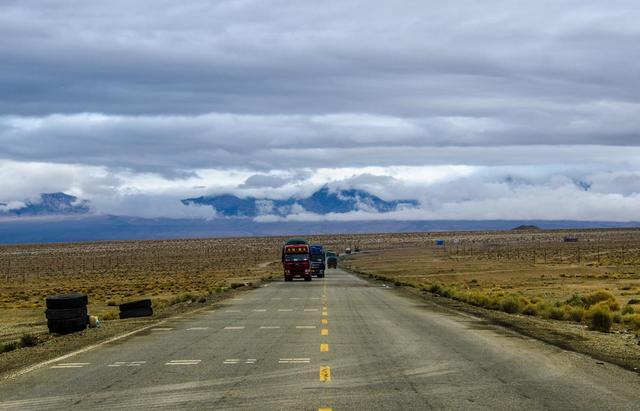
pixel 317 257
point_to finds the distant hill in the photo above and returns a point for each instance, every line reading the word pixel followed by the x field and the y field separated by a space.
pixel 103 228
pixel 323 201
pixel 50 204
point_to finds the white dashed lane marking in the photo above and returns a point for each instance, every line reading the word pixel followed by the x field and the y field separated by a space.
pixel 294 360
pixel 127 364
pixel 239 327
pixel 305 326
pixel 276 298
pixel 285 309
pixel 311 309
pixel 183 362
pixel 294 298
pixel 239 361
pixel 162 329
pixel 260 310
pixel 197 328
pixel 269 327
pixel 70 365
pixel 232 311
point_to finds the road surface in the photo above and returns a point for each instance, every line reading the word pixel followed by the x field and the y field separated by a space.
pixel 340 343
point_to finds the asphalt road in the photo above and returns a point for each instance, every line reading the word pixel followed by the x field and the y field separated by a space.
pixel 340 343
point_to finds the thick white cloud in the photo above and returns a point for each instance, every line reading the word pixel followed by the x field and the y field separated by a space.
pixel 492 109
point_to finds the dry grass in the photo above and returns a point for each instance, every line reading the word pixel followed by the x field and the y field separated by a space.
pixel 168 272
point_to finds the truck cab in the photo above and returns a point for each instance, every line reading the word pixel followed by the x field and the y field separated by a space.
pixel 295 261
pixel 317 256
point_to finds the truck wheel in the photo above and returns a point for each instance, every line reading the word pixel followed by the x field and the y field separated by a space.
pixel 288 279
pixel 307 278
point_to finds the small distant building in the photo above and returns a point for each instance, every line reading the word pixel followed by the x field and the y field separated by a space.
pixel 440 243
pixel 570 239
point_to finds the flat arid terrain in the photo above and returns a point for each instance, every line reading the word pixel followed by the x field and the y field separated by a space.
pixel 527 274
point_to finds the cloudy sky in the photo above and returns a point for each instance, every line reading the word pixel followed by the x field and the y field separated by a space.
pixel 491 109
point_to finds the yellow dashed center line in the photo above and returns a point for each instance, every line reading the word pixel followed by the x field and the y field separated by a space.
pixel 325 371
pixel 325 374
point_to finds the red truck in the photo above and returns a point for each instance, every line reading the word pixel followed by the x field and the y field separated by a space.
pixel 296 262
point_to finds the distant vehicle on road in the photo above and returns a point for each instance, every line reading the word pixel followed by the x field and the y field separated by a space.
pixel 295 261
pixel 347 250
pixel 332 259
pixel 317 256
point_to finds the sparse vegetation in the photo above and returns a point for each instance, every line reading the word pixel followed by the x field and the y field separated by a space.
pixel 28 340
pixel 599 318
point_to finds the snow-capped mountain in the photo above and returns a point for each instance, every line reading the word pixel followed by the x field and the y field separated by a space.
pixel 49 204
pixel 323 201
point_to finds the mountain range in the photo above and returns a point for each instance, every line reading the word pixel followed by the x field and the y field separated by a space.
pixel 64 218
pixel 49 204
pixel 323 201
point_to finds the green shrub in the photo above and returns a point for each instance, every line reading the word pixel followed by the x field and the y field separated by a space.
pixel 632 320
pixel 555 313
pixel 597 297
pixel 28 340
pixel 617 318
pixel 435 288
pixel 628 310
pixel 634 301
pixel 511 305
pixel 494 302
pixel 10 346
pixel 576 301
pixel 575 314
pixel 599 318
pixel 111 303
pixel 477 299
pixel 530 309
